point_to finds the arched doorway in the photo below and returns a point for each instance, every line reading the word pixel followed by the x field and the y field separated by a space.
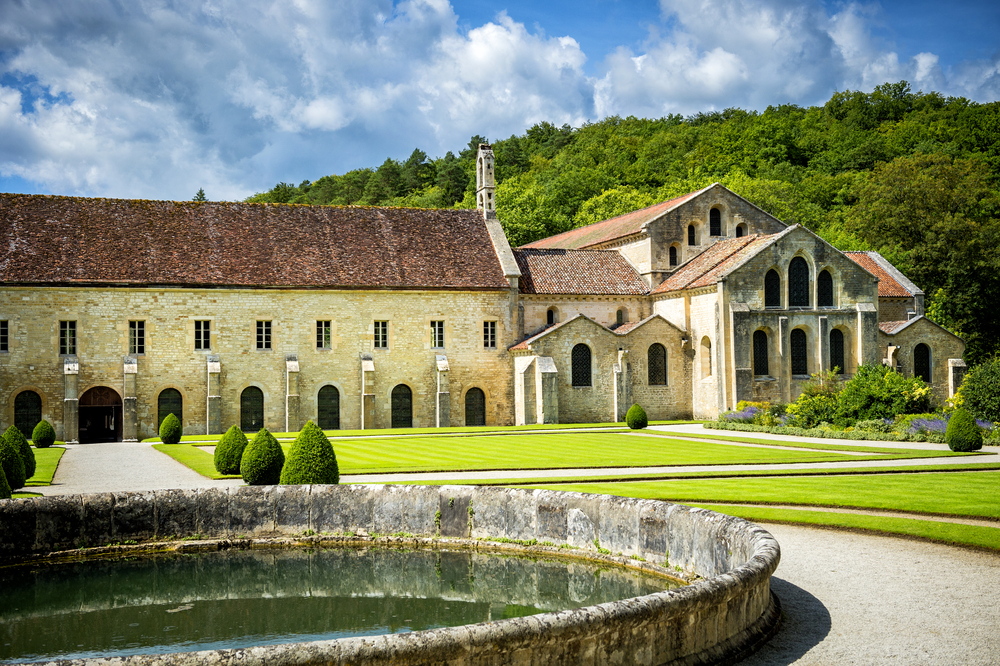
pixel 100 415
pixel 169 401
pixel 402 407
pixel 251 409
pixel 27 412
pixel 922 362
pixel 328 408
pixel 475 407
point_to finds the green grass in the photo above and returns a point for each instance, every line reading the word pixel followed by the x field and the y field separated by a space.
pixel 46 461
pixel 194 457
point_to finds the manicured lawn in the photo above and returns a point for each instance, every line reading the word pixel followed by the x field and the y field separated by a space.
pixel 46 461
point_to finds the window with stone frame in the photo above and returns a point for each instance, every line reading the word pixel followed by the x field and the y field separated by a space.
pixel 550 317
pixel 437 334
pixel 673 255
pixel 798 283
pixel 4 336
pixel 656 361
pixel 489 335
pixel 324 334
pixel 837 351
pixel 202 334
pixel 580 359
pixel 381 335
pixel 691 234
pixel 824 289
pixel 263 335
pixel 799 352
pixel 137 337
pixel 67 338
pixel 922 362
pixel 772 289
pixel 715 222
pixel 760 354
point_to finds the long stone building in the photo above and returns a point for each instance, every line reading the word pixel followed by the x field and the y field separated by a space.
pixel 114 313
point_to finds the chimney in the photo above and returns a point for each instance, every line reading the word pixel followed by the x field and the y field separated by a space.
pixel 485 180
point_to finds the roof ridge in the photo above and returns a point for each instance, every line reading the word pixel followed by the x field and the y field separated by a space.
pixel 744 241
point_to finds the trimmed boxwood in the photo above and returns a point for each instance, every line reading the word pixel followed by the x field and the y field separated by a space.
pixel 20 444
pixel 170 429
pixel 311 459
pixel 981 391
pixel 262 460
pixel 963 434
pixel 5 492
pixel 12 463
pixel 229 451
pixel 635 417
pixel 44 435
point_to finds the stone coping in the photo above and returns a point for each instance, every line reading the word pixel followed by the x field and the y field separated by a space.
pixel 717 619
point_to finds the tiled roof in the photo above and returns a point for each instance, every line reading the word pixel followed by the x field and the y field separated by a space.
pixel 608 230
pixel 893 327
pixel 577 272
pixel 67 240
pixel 706 268
pixel 889 285
pixel 523 344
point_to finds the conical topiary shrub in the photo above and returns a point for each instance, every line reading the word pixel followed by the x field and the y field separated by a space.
pixel 20 444
pixel 262 460
pixel 962 433
pixel 636 417
pixel 12 464
pixel 5 492
pixel 311 459
pixel 44 435
pixel 170 429
pixel 229 451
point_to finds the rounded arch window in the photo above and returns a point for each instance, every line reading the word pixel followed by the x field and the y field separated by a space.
pixel 251 409
pixel 922 362
pixel 798 283
pixel 621 317
pixel 475 407
pixel 27 412
pixel 673 255
pixel 402 407
pixel 760 354
pixel 550 317
pixel 706 357
pixel 799 352
pixel 691 238
pixel 328 408
pixel 741 230
pixel 656 360
pixel 837 351
pixel 169 401
pixel 824 289
pixel 715 222
pixel 581 365
pixel 772 289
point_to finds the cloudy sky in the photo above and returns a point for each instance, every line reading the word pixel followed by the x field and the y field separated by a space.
pixel 156 98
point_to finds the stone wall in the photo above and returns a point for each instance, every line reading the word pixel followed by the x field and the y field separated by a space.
pixel 720 618
pixel 602 309
pixel 943 346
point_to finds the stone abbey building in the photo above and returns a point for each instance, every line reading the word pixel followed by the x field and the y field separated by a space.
pixel 114 313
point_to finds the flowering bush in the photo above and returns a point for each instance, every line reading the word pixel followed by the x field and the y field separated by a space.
pixel 878 392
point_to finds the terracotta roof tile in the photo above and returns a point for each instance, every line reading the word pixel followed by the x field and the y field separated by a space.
pixel 888 286
pixel 892 327
pixel 706 268
pixel 608 230
pixel 577 272
pixel 58 240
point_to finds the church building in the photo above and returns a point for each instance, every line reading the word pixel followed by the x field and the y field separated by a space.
pixel 115 313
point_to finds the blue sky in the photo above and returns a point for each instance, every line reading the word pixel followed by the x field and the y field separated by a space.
pixel 156 98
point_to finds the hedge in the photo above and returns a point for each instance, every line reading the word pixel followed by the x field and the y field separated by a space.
pixel 311 459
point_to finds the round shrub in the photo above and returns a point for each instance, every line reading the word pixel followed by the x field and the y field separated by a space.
pixel 981 391
pixel 170 429
pixel 20 444
pixel 5 492
pixel 963 434
pixel 229 451
pixel 43 436
pixel 635 417
pixel 262 460
pixel 12 464
pixel 311 459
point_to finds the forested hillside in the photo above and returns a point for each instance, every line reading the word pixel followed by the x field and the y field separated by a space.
pixel 915 176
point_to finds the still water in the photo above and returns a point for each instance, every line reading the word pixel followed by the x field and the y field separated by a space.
pixel 209 601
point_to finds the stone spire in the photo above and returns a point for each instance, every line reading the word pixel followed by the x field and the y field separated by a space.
pixel 485 180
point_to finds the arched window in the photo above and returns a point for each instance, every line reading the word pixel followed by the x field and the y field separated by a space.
pixel 475 407
pixel 581 365
pixel 800 354
pixel 656 359
pixel 550 317
pixel 27 412
pixel 922 362
pixel 402 407
pixel 691 234
pixel 673 255
pixel 760 353
pixel 251 409
pixel 328 408
pixel 715 222
pixel 798 283
pixel 837 350
pixel 169 402
pixel 772 289
pixel 824 289
pixel 706 357
pixel 621 316
pixel 741 230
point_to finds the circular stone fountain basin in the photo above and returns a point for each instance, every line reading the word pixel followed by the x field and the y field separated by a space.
pixel 723 615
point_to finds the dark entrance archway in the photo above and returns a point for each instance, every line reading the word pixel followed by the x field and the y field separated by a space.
pixel 100 415
pixel 475 407
pixel 27 412
pixel 402 407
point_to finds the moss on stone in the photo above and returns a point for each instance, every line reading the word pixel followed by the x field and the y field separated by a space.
pixel 311 459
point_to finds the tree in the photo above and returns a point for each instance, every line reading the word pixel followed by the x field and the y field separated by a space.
pixel 200 196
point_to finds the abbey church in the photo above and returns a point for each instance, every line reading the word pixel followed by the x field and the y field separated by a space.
pixel 115 313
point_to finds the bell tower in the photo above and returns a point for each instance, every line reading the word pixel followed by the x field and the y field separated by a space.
pixel 485 180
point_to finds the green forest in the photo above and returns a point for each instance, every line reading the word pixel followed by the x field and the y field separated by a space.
pixel 913 175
